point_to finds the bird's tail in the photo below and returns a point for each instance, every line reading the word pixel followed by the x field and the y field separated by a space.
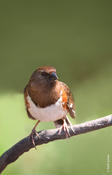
pixel 59 123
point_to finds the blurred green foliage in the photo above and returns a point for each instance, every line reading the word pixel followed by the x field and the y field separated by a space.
pixel 76 38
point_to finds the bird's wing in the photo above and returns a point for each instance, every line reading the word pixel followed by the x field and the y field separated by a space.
pixel 26 102
pixel 71 106
pixel 68 104
pixel 69 101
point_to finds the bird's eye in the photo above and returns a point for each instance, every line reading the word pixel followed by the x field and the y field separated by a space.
pixel 44 74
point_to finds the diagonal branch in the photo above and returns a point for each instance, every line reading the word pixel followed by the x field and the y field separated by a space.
pixel 46 136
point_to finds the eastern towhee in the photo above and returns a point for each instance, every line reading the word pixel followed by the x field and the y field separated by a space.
pixel 48 99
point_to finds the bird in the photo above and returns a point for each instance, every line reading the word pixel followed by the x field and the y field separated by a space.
pixel 48 100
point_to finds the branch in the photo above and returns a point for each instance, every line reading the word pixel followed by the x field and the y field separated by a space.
pixel 46 136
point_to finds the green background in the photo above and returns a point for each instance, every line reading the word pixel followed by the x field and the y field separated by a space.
pixel 76 38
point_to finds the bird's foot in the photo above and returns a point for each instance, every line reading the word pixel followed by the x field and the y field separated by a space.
pixel 33 133
pixel 64 128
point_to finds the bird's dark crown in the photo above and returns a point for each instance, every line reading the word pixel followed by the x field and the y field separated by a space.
pixel 47 69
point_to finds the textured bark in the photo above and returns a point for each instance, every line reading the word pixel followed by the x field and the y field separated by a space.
pixel 46 136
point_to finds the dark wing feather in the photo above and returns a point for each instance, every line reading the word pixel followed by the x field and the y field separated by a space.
pixel 26 103
pixel 71 106
pixel 70 101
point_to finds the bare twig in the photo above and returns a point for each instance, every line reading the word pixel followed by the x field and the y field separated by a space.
pixel 46 136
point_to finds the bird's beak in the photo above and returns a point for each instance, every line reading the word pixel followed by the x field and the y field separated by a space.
pixel 53 76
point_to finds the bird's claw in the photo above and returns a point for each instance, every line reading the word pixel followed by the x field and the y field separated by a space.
pixel 64 128
pixel 34 132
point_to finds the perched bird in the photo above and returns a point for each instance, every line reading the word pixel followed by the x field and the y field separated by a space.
pixel 48 99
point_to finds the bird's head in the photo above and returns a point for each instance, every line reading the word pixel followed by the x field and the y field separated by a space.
pixel 44 76
pixel 48 73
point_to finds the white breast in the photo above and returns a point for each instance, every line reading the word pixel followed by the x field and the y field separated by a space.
pixel 50 113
